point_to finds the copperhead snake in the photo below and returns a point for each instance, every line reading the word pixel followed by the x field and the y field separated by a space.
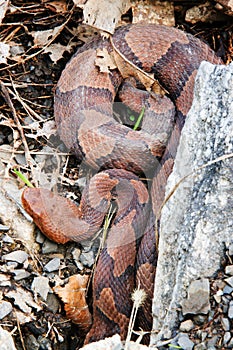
pixel 84 118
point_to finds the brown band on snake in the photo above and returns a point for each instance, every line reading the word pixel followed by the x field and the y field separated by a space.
pixel 85 93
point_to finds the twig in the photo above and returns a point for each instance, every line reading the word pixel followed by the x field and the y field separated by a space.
pixel 28 157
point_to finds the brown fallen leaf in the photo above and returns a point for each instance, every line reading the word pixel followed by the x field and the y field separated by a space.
pixel 73 295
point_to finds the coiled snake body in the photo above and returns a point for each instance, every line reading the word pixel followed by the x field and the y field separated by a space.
pixel 84 117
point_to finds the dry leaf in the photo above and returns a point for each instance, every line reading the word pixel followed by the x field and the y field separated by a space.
pixel 56 50
pixel 3 8
pixel 41 38
pixel 104 61
pixel 73 296
pixel 103 14
pixel 23 299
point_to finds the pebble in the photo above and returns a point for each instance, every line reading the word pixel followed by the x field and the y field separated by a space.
pixel 230 310
pixel 229 281
pixel 185 342
pixel 87 258
pixel 52 265
pixel 225 324
pixel 200 346
pixel 227 290
pixel 49 247
pixel 230 250
pixel 6 339
pixel 40 285
pixel 230 344
pixel 52 303
pixel 19 256
pixel 186 326
pixel 32 343
pixel 198 298
pixel 229 270
pixel 5 309
pixel 226 338
pixel 212 342
pixel 20 274
pixel 7 239
pixel 199 319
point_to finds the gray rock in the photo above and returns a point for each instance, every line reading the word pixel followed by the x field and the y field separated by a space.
pixel 226 338
pixel 87 258
pixel 18 256
pixel 6 340
pixel 229 281
pixel 200 346
pixel 230 310
pixel 230 344
pixel 185 342
pixel 230 249
pixel 20 274
pixel 52 303
pixel 196 222
pixel 40 285
pixel 186 326
pixel 198 298
pixel 52 265
pixel 49 247
pixel 5 309
pixel 212 342
pixel 227 290
pixel 32 343
pixel 7 239
pixel 229 270
pixel 225 324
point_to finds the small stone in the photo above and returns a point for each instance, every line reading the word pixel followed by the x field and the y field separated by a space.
pixel 52 265
pixel 7 340
pixel 185 342
pixel 230 310
pixel 199 319
pixel 40 285
pixel 200 346
pixel 40 238
pixel 7 239
pixel 227 290
pixel 225 324
pixel 52 303
pixel 5 309
pixel 229 281
pixel 198 298
pixel 230 344
pixel 229 270
pixel 212 342
pixel 49 247
pixel 186 326
pixel 4 281
pixel 19 256
pixel 20 274
pixel 203 336
pixel 32 343
pixel 226 337
pixel 217 298
pixel 230 249
pixel 87 258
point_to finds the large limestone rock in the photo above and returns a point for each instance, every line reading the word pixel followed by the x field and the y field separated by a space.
pixel 197 220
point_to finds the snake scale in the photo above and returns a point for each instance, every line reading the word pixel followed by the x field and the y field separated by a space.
pixel 84 117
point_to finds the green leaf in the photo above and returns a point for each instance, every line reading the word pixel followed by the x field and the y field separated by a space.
pixel 23 178
pixel 136 125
